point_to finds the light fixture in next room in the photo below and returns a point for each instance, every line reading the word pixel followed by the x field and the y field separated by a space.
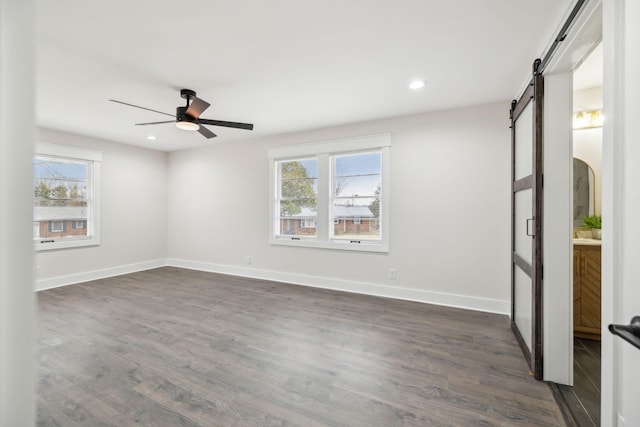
pixel 588 119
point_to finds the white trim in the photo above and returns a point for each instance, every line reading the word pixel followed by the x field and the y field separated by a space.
pixel 331 146
pixel 86 276
pixel 557 283
pixel 341 244
pixel 373 289
pixel 58 150
pixel 614 234
pixel 428 297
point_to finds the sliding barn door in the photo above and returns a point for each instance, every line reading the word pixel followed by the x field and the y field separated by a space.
pixel 526 231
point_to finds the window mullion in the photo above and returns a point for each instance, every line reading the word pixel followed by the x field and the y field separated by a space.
pixel 324 186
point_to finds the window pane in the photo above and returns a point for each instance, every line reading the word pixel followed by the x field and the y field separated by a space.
pixel 356 219
pixel 298 189
pixel 301 208
pixel 357 164
pixel 61 195
pixel 357 184
pixel 296 169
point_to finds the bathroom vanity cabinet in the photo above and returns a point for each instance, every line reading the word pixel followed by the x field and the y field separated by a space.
pixel 586 291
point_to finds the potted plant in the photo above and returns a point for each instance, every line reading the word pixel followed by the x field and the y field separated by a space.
pixel 593 222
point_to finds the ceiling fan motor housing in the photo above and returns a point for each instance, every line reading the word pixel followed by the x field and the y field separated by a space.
pixel 182 116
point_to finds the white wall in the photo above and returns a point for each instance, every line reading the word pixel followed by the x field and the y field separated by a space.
pixel 450 211
pixel 133 215
pixel 17 314
pixel 587 99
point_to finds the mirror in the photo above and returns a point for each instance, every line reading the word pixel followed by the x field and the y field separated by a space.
pixel 583 191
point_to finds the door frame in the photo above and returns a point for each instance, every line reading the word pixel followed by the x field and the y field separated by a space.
pixel 578 39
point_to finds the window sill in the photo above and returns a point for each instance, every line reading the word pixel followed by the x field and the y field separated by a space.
pixel 48 245
pixel 345 245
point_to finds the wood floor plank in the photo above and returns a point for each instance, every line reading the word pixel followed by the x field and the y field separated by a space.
pixel 176 347
pixel 587 376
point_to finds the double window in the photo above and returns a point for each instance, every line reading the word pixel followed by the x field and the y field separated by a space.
pixel 65 197
pixel 332 194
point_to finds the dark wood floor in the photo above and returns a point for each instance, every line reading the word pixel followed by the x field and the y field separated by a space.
pixel 582 401
pixel 174 347
pixel 586 375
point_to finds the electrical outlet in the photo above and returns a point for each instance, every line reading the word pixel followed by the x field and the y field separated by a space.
pixel 392 273
pixel 248 260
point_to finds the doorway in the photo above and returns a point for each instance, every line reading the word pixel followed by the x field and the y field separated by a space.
pixel 587 211
pixel 575 42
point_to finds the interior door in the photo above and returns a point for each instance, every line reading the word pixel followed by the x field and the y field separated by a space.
pixel 526 212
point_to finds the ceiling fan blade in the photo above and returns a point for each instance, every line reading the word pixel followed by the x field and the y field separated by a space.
pixel 206 132
pixel 143 108
pixel 155 123
pixel 247 126
pixel 196 107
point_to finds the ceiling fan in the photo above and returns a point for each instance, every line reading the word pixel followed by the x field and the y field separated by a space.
pixel 188 117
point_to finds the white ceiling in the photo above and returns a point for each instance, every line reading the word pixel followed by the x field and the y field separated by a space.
pixel 284 65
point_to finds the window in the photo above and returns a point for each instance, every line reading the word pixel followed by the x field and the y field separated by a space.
pixel 331 194
pixel 56 226
pixel 65 197
pixel 308 223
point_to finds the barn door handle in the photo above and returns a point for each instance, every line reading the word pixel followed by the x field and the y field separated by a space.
pixel 529 234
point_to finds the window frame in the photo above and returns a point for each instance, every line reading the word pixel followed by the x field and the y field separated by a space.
pixel 92 225
pixel 324 151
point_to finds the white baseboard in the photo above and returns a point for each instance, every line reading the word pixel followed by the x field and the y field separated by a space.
pixel 438 298
pixel 429 297
pixel 55 282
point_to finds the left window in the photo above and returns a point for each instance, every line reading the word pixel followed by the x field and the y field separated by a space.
pixel 66 197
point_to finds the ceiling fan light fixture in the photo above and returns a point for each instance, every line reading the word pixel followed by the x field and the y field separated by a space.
pixel 185 125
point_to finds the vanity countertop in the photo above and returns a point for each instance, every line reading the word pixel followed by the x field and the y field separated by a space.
pixel 587 242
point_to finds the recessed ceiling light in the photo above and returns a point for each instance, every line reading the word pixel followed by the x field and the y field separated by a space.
pixel 417 84
pixel 151 138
